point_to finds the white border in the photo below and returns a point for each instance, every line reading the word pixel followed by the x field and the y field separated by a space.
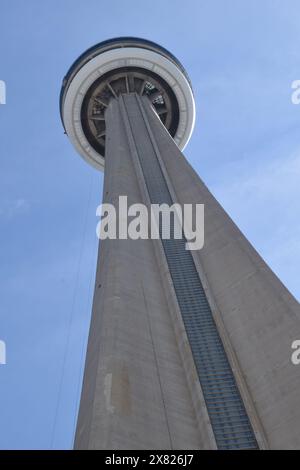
pixel 124 57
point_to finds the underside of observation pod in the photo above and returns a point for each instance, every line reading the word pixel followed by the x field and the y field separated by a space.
pixel 121 66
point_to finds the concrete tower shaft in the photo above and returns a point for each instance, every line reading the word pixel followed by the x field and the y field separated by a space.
pixel 187 350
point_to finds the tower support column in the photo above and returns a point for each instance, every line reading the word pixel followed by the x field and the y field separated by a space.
pixel 187 350
pixel 139 392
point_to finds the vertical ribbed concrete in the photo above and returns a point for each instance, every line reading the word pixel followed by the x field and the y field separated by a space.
pixel 230 423
pixel 141 388
pixel 257 316
pixel 135 393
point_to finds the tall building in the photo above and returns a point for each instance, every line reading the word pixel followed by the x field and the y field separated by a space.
pixel 187 349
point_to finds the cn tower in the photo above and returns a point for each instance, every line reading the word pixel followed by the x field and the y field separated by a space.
pixel 187 349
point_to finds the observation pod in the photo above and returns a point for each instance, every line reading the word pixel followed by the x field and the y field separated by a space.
pixel 119 66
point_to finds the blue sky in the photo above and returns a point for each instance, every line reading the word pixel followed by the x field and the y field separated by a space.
pixel 242 57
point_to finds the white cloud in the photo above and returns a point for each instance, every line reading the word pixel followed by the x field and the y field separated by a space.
pixel 266 185
pixel 14 207
pixel 264 200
